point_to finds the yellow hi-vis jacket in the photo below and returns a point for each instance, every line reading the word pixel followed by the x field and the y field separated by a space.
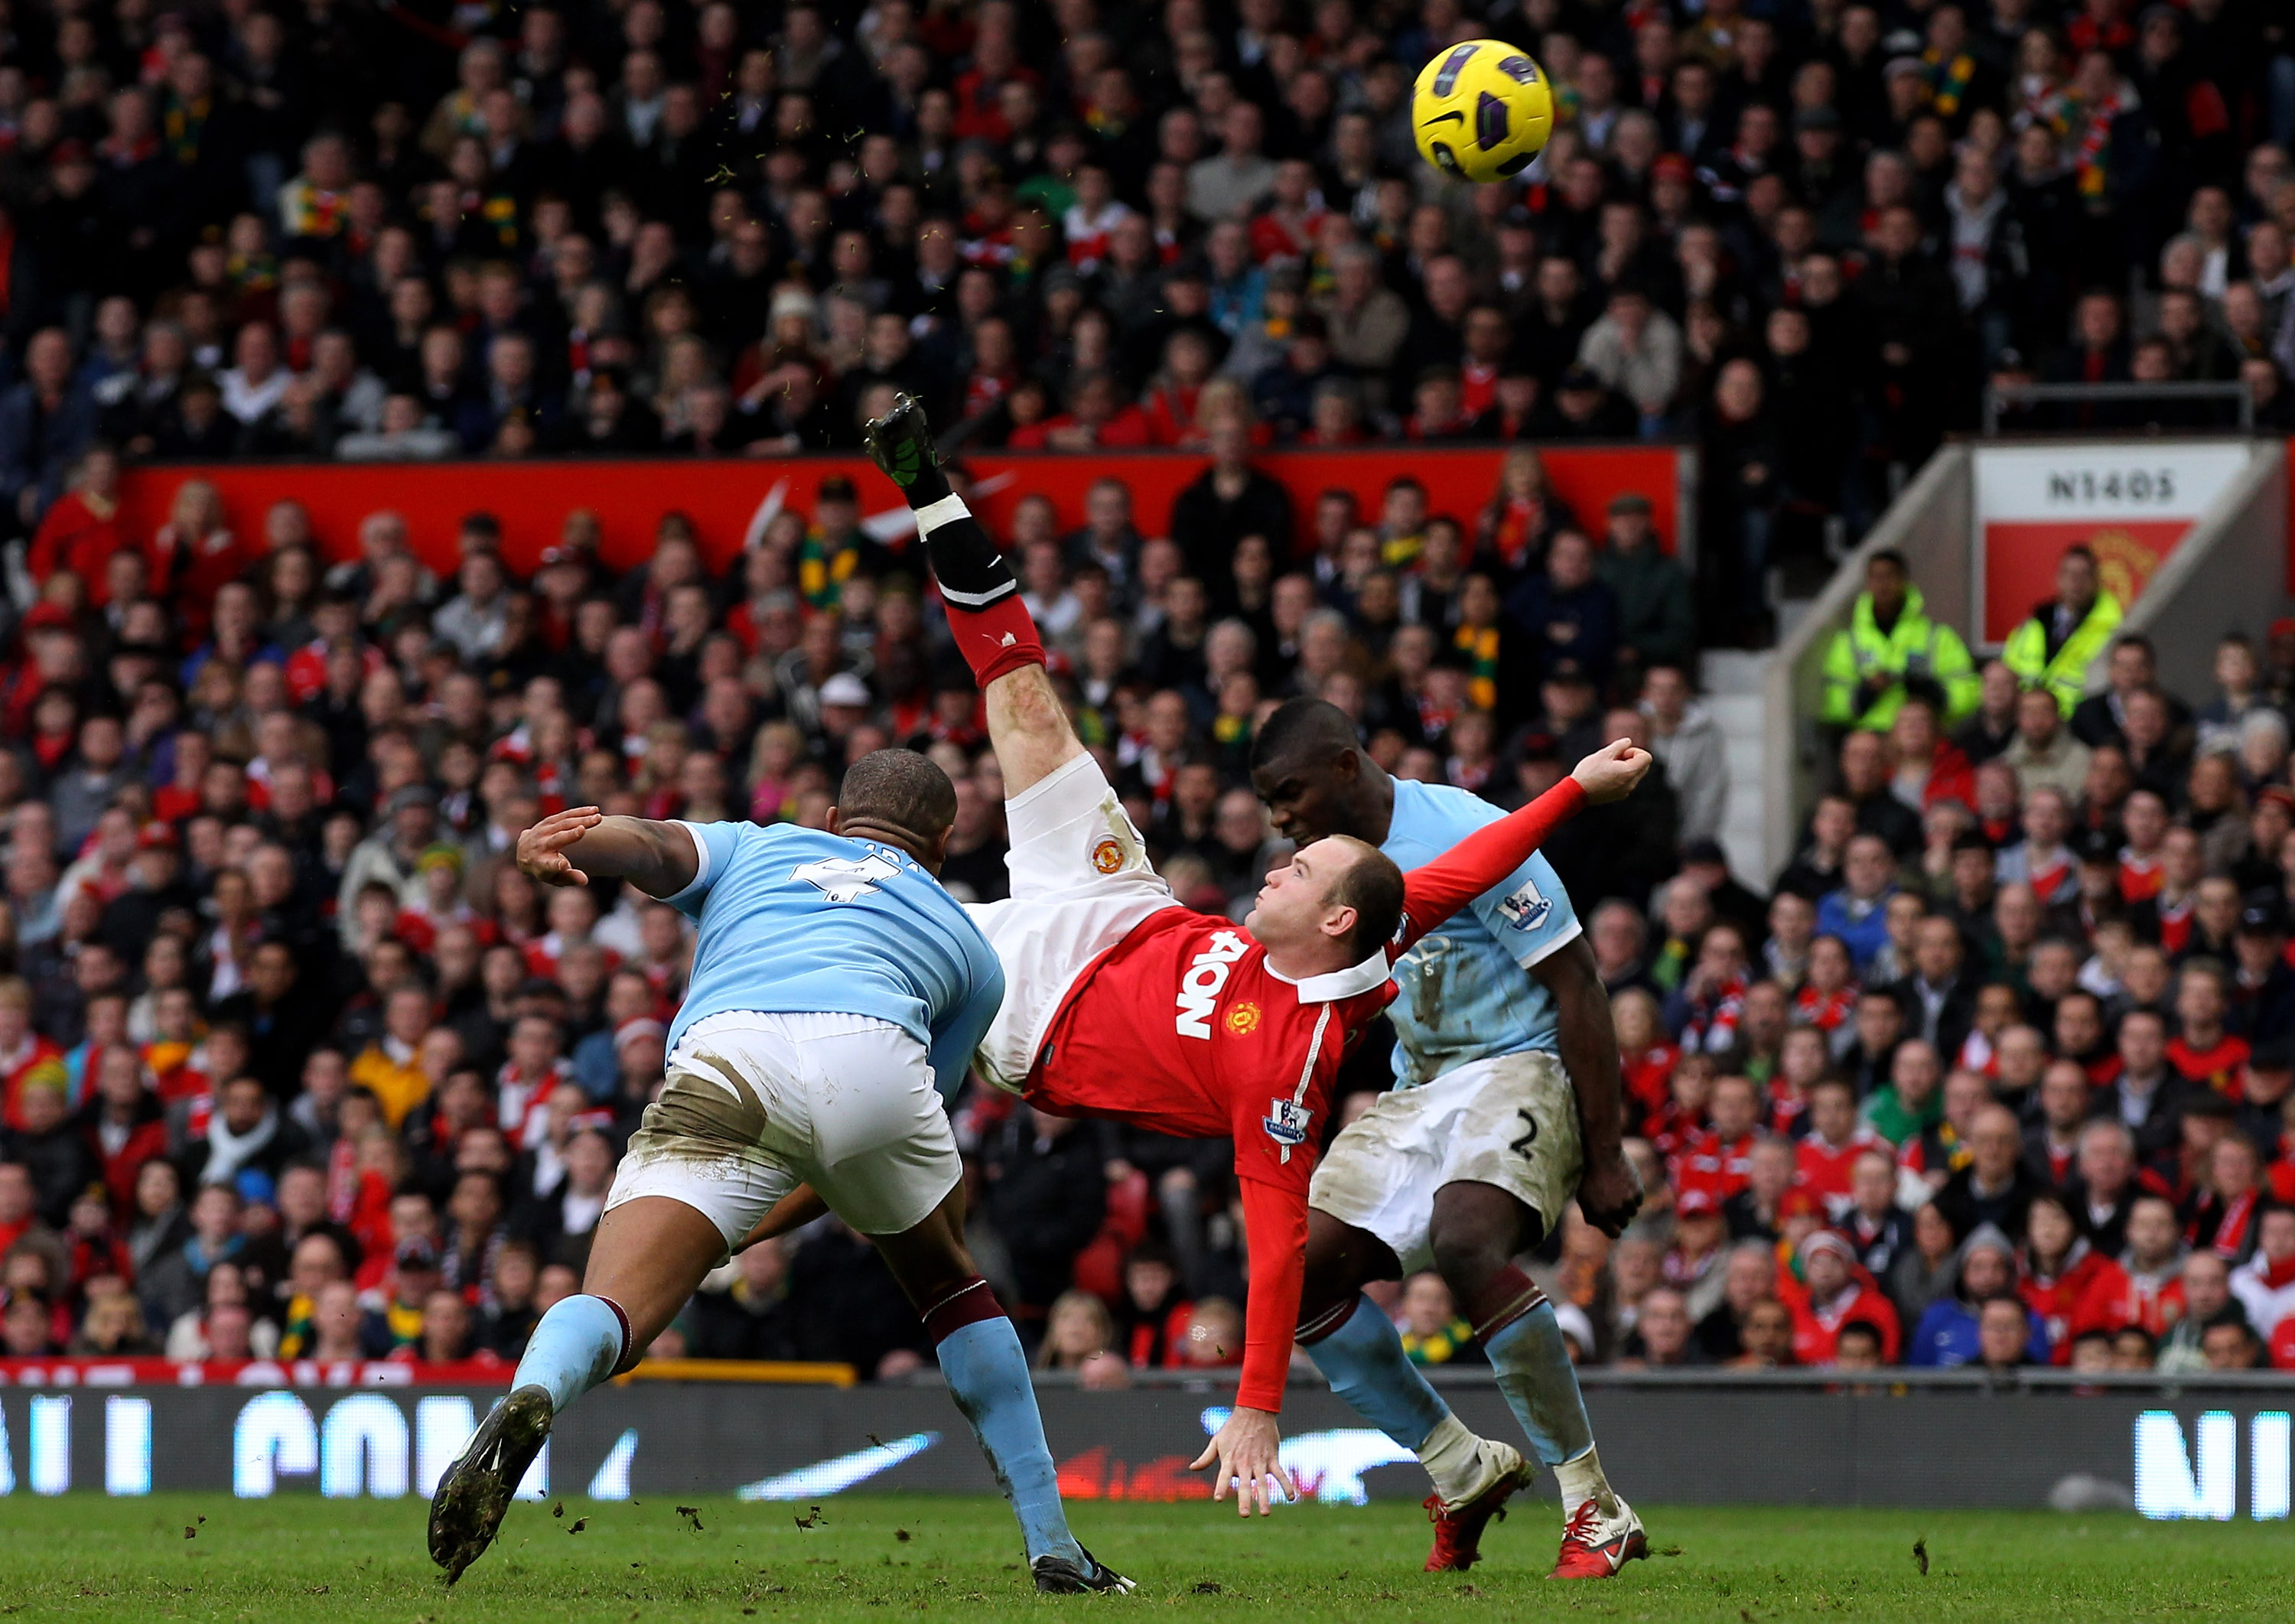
pixel 2065 676
pixel 1915 648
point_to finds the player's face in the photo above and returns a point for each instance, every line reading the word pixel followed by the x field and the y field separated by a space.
pixel 1308 801
pixel 1293 906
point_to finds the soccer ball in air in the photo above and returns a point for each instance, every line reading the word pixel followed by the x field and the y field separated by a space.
pixel 1482 110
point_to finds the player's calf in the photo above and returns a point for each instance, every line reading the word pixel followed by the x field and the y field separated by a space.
pixel 1523 1339
pixel 987 1375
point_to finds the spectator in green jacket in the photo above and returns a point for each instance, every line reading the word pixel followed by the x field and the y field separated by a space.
pixel 1657 615
pixel 1889 647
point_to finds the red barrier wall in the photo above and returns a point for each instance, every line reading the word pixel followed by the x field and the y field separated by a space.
pixel 629 497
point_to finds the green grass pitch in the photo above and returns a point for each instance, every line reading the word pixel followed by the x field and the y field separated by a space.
pixel 871 1558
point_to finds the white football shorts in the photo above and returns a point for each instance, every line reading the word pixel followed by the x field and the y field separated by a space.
pixel 755 1104
pixel 1081 883
pixel 1510 1119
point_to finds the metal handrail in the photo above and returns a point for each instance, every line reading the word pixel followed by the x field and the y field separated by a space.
pixel 2100 393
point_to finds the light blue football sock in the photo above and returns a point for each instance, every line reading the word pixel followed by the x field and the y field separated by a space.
pixel 988 1375
pixel 1364 1362
pixel 575 1347
pixel 1541 1385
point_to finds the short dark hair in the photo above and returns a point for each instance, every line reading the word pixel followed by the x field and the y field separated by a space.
pixel 1298 728
pixel 900 788
pixel 1372 885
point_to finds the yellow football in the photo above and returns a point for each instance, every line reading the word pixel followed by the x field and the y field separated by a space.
pixel 1482 110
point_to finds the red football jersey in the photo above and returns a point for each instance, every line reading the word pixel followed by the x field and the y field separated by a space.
pixel 2222 1066
pixel 1824 1172
pixel 1718 1166
pixel 1182 1028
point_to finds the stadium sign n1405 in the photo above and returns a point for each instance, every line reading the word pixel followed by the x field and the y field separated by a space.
pixel 2130 502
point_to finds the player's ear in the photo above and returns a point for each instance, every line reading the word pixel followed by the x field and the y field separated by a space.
pixel 835 819
pixel 1339 922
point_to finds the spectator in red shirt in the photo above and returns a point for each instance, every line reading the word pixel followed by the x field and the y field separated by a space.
pixel 1716 1159
pixel 1170 409
pixel 195 553
pixel 1826 1158
pixel 1836 1291
pixel 81 532
pixel 1930 767
pixel 2204 1051
pixel 2143 859
pixel 1098 418
pixel 24 1053
pixel 2064 1273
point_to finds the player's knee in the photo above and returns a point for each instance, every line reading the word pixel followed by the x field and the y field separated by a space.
pixel 1468 1259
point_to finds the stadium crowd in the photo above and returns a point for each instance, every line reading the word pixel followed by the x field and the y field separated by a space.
pixel 1798 234
pixel 293 1061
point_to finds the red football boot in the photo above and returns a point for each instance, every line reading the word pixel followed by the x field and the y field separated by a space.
pixel 1458 1529
pixel 1596 1546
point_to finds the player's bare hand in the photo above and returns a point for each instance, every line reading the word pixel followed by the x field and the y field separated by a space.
pixel 1610 1193
pixel 1612 772
pixel 1245 1453
pixel 542 849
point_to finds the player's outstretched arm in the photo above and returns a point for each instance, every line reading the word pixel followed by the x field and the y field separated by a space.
pixel 1611 773
pixel 1246 1452
pixel 568 848
pixel 1434 891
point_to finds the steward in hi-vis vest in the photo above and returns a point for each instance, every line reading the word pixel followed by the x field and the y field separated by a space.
pixel 2055 649
pixel 1890 648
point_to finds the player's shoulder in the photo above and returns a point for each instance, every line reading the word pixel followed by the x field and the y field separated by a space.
pixel 1435 815
pixel 836 864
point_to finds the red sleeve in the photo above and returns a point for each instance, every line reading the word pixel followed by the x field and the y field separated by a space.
pixel 1275 1219
pixel 1433 892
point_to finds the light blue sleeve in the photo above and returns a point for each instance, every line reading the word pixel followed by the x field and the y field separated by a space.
pixel 716 843
pixel 956 1037
pixel 1528 913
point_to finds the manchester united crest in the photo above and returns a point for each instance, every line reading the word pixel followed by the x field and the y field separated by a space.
pixel 1243 1019
pixel 1108 857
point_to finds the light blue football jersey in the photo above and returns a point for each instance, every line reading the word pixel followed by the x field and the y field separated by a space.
pixel 1462 993
pixel 794 921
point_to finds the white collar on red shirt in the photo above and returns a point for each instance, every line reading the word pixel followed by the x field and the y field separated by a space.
pixel 1332 985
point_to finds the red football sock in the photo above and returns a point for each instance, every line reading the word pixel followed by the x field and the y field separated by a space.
pixel 997 640
pixel 1505 1298
pixel 966 1304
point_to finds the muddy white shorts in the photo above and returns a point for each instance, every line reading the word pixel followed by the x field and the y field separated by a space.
pixel 755 1104
pixel 1511 1121
pixel 1081 883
